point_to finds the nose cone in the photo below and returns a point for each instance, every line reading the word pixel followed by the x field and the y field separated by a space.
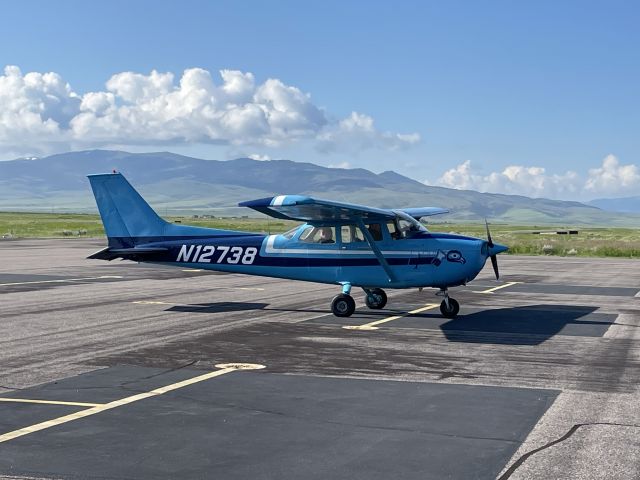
pixel 497 248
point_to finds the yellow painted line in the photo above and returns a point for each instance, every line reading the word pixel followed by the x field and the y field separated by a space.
pixel 62 280
pixel 373 325
pixel 499 287
pixel 225 368
pixel 49 402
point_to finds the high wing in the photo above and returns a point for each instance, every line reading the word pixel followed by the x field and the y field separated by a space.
pixel 420 212
pixel 308 209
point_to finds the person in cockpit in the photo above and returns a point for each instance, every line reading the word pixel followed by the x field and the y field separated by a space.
pixel 326 235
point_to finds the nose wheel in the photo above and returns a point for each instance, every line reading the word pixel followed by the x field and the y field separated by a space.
pixel 451 310
pixel 449 306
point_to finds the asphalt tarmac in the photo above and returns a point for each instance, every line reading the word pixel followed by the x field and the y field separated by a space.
pixel 120 370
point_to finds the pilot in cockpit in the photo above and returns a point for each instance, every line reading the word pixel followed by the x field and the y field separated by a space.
pixel 326 235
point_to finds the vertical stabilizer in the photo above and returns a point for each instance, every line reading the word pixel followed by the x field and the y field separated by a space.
pixel 125 214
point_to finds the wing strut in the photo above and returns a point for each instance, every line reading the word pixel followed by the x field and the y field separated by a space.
pixel 376 250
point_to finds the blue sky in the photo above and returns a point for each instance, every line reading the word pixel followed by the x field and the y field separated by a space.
pixel 536 85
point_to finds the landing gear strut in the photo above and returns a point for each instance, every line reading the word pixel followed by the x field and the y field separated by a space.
pixel 449 307
pixel 375 298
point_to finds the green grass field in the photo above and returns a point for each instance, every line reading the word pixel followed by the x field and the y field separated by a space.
pixel 600 242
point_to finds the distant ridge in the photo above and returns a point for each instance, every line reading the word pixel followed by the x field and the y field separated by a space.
pixel 175 183
pixel 624 205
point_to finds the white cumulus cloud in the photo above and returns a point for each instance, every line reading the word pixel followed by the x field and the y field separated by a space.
pixel 611 179
pixel 358 132
pixel 39 111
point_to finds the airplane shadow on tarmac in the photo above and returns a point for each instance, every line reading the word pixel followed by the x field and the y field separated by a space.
pixel 527 325
pixel 217 307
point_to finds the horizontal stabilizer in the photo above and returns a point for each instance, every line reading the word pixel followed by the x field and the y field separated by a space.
pixel 128 253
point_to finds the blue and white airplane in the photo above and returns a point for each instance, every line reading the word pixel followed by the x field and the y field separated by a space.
pixel 339 243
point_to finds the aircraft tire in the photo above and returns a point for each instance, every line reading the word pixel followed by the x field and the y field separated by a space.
pixel 377 299
pixel 343 305
pixel 452 311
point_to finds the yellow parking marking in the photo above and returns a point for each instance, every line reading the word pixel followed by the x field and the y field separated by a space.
pixel 50 402
pixel 499 287
pixel 373 325
pixel 228 368
pixel 62 280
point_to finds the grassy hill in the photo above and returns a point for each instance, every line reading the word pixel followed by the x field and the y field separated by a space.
pixel 182 185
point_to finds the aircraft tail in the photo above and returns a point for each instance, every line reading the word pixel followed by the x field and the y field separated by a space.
pixel 126 216
pixel 133 228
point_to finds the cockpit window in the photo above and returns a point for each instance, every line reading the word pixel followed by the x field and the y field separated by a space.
pixel 318 235
pixel 290 233
pixel 407 226
pixel 393 230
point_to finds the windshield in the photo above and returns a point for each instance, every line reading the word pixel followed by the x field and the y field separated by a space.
pixel 407 225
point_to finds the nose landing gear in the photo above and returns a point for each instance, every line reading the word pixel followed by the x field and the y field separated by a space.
pixel 449 306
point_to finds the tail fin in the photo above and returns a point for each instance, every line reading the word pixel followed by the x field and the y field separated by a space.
pixel 130 222
pixel 125 214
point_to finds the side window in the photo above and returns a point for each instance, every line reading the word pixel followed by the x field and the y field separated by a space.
pixel 346 233
pixel 351 234
pixel 319 235
pixel 393 231
pixel 375 229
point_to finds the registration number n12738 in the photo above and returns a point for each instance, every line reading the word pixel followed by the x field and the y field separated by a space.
pixel 217 254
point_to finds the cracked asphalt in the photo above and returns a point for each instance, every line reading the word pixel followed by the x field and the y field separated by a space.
pixel 536 379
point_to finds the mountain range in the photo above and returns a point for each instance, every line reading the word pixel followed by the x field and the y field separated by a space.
pixel 178 184
pixel 624 204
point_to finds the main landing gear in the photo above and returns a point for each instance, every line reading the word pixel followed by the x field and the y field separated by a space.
pixel 343 305
pixel 449 307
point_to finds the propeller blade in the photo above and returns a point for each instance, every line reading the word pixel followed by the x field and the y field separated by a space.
pixel 489 241
pixel 494 262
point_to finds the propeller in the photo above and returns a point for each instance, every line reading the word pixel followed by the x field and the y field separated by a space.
pixel 494 258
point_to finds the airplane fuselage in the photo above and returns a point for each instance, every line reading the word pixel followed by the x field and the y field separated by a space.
pixel 426 260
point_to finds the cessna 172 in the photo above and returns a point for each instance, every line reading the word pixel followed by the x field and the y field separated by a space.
pixel 339 243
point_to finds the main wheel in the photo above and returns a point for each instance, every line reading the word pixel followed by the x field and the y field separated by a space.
pixel 376 299
pixel 452 310
pixel 343 305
